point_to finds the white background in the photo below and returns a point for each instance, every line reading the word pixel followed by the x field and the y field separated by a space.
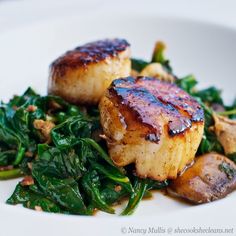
pixel 14 13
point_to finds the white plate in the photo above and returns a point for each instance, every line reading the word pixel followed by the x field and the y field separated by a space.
pixel 208 51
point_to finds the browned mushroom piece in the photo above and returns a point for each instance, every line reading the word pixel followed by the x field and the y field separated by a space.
pixel 211 177
pixel 156 70
pixel 225 130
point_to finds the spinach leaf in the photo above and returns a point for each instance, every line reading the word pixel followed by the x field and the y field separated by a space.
pixel 7 157
pixel 18 136
pixel 140 187
pixel 112 192
pixel 31 200
pixel 210 95
pixel 7 135
pixel 90 183
pixel 112 173
pixel 67 134
pixel 97 147
pixel 55 162
pixel 138 64
pixel 187 83
pixel 65 192
pixel 20 195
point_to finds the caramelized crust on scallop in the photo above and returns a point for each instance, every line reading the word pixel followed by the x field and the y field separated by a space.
pixel 147 99
pixel 81 75
pixel 88 54
pixel 153 124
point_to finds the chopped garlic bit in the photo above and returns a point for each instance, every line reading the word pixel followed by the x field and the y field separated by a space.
pixel 45 128
pixel 118 188
pixel 29 154
pixel 38 208
pixel 27 181
pixel 31 108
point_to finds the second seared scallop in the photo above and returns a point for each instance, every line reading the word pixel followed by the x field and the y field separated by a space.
pixel 153 124
pixel 82 75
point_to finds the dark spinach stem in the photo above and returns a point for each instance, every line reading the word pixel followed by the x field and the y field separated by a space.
pixel 10 174
pixel 140 188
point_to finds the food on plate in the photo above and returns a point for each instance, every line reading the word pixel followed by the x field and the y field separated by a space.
pixel 225 130
pixel 154 124
pixel 211 177
pixel 156 70
pixel 44 129
pixel 151 123
pixel 81 76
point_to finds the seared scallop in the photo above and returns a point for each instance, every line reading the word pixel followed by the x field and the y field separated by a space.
pixel 82 75
pixel 211 177
pixel 151 123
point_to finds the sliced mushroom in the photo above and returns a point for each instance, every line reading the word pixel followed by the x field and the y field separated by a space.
pixel 225 130
pixel 157 71
pixel 211 177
